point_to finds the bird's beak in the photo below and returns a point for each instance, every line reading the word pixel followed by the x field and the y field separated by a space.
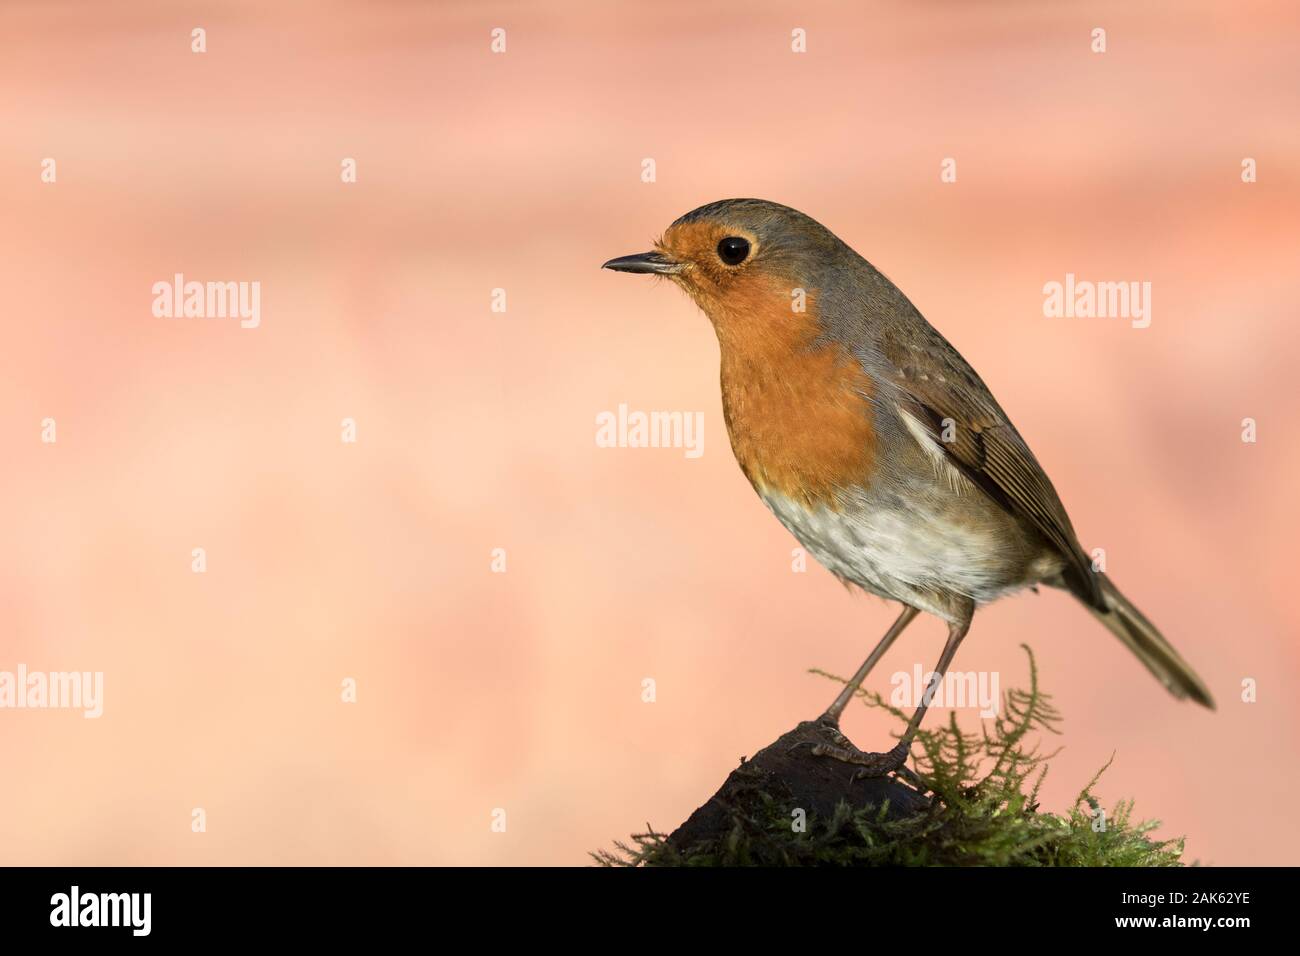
pixel 655 262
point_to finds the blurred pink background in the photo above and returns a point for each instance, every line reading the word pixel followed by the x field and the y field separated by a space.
pixel 521 171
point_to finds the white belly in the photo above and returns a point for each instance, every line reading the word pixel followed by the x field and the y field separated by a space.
pixel 920 556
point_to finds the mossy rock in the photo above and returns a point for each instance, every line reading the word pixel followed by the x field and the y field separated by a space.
pixel 975 802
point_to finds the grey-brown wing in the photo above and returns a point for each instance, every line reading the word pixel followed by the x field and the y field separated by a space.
pixel 940 390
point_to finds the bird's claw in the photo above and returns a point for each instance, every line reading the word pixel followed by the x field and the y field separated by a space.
pixel 870 764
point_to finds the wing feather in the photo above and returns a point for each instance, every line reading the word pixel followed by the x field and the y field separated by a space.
pixel 937 387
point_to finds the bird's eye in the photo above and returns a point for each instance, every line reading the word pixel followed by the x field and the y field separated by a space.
pixel 733 250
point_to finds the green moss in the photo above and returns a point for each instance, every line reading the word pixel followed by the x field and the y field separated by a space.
pixel 984 813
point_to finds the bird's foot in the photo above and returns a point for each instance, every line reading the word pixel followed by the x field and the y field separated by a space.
pixel 871 764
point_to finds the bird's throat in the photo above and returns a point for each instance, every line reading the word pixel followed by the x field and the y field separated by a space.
pixel 798 410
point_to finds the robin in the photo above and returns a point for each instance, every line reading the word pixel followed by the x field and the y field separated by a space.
pixel 875 443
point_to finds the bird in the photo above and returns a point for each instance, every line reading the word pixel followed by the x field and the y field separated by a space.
pixel 876 444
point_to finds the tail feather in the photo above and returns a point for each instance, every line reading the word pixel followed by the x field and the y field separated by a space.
pixel 1141 637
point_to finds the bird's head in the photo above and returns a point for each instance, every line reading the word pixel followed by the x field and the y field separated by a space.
pixel 746 262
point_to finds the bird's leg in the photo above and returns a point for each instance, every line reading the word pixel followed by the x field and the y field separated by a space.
pixel 879 764
pixel 832 716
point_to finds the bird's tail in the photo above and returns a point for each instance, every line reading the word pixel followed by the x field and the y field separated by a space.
pixel 1141 637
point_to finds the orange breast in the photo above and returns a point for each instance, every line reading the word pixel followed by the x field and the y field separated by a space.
pixel 799 414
